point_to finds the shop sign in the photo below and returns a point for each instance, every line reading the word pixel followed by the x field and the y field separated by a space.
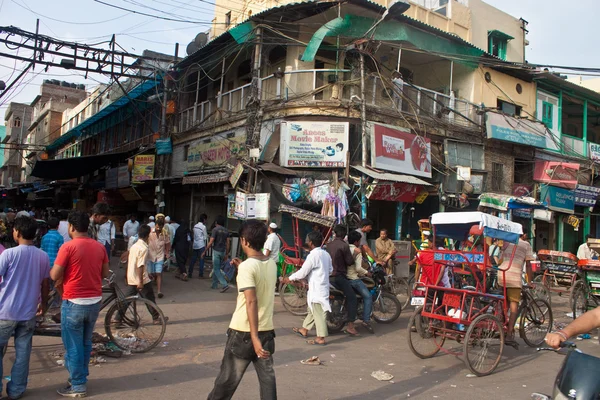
pixel 207 178
pixel 573 221
pixel 395 149
pixel 215 152
pixel 143 168
pixel 543 215
pixel 594 152
pixel 518 130
pixel 521 190
pixel 164 146
pixel 556 173
pixel 394 191
pixel 236 174
pixel 314 144
pixel 111 178
pixel 252 206
pixel 123 176
pixel 558 199
pixel 586 195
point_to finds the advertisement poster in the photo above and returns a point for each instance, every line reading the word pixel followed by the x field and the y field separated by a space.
pixel 395 149
pixel 556 173
pixel 594 152
pixel 143 168
pixel 215 152
pixel 558 199
pixel 231 206
pixel 314 144
pixel 252 206
pixel 240 205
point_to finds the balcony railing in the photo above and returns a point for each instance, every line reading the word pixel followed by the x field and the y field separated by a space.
pixel 318 84
pixel 572 145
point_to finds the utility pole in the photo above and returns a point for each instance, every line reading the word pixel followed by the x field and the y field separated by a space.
pixel 164 134
pixel 254 119
pixel 363 125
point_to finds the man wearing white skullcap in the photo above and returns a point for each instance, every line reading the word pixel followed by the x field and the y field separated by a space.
pixel 273 244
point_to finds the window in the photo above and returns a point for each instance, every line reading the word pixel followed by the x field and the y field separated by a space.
pixel 509 108
pixel 497 176
pixel 17 122
pixel 464 155
pixel 228 19
pixel 186 150
pixel 497 43
pixel 547 114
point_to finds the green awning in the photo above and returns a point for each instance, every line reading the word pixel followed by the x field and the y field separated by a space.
pixel 500 35
pixel 355 27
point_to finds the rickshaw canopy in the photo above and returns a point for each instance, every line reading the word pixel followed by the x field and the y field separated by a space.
pixel 456 225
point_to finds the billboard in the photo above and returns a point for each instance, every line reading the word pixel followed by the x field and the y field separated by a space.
pixel 396 149
pixel 143 168
pixel 314 144
pixel 556 173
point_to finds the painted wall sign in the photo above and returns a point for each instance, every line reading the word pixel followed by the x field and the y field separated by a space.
pixel 217 151
pixel 518 130
pixel 558 199
pixel 314 144
pixel 556 173
pixel 143 168
pixel 395 149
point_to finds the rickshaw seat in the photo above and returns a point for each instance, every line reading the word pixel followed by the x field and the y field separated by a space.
pixel 297 262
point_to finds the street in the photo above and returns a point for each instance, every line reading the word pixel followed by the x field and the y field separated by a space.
pixel 186 364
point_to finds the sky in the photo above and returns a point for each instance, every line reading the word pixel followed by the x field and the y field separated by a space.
pixel 560 33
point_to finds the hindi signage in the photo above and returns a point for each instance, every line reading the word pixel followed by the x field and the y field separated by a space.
pixel 215 152
pixel 396 149
pixel 314 144
pixel 143 168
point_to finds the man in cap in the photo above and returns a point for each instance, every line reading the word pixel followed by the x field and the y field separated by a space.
pixel 151 224
pixel 273 243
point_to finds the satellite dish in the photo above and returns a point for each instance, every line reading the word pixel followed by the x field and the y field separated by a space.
pixel 191 48
pixel 201 39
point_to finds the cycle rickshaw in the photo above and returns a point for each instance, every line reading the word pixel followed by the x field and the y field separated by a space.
pixel 474 318
pixel 586 291
pixel 559 274
pixel 293 295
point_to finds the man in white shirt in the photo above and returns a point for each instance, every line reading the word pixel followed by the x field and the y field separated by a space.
pixel 106 236
pixel 200 237
pixel 63 226
pixel 130 228
pixel 172 225
pixel 316 268
pixel 273 244
pixel 151 224
pixel 585 253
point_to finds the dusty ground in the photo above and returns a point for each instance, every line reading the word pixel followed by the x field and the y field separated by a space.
pixel 188 364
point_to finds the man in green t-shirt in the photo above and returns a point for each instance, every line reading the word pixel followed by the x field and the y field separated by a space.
pixel 251 335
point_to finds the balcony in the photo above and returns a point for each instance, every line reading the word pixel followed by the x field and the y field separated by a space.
pixel 314 85
pixel 573 146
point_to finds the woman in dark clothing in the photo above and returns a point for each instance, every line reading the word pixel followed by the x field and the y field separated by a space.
pixel 181 244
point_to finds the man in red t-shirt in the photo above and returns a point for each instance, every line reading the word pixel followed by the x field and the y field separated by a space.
pixel 79 268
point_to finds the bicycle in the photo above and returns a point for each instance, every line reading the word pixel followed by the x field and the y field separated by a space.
pixel 132 323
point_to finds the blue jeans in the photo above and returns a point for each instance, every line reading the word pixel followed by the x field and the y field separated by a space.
pixel 218 257
pixel 196 255
pixel 23 332
pixel 107 247
pixel 360 288
pixel 342 283
pixel 77 326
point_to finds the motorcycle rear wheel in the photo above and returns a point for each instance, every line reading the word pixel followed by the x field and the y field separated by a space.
pixel 386 309
pixel 336 318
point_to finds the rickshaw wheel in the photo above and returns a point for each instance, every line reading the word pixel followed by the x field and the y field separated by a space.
pixel 422 338
pixel 484 342
pixel 583 301
pixel 540 289
pixel 535 322
pixel 294 299
pixel 575 287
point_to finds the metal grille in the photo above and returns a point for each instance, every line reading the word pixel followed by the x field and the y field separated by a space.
pixel 497 176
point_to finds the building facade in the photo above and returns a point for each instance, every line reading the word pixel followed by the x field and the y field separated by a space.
pixel 17 119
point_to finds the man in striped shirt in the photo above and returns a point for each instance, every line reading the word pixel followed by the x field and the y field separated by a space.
pixel 52 240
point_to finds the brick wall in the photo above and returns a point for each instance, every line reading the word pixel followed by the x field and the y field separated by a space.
pixel 500 154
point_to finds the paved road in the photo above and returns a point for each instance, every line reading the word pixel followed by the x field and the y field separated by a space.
pixel 188 364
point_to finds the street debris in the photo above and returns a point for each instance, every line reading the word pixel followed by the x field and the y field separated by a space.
pixel 453 386
pixel 60 362
pixel 471 376
pixel 585 336
pixel 314 360
pixel 391 364
pixel 164 344
pixel 382 376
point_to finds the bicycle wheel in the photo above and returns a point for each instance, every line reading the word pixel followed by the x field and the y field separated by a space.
pixel 424 336
pixel 402 290
pixel 294 299
pixel 580 300
pixel 386 309
pixel 130 324
pixel 483 345
pixel 576 286
pixel 540 289
pixel 535 322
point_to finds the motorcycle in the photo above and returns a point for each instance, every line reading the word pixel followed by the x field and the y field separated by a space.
pixel 386 306
pixel 577 377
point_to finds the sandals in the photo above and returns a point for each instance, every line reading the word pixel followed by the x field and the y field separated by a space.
pixel 315 343
pixel 350 333
pixel 297 332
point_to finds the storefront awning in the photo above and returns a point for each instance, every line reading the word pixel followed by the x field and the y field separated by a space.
pixel 504 202
pixel 386 176
pixel 68 168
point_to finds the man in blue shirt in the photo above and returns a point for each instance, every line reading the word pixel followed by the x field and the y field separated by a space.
pixel 24 276
pixel 52 240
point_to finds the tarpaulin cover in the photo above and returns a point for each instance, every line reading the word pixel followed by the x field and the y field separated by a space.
pixel 69 168
pixel 504 202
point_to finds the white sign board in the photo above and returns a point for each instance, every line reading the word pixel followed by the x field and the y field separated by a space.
pixel 314 144
pixel 463 173
pixel 252 206
pixel 594 152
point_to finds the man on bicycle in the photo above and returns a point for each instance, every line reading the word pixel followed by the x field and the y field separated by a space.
pixel 512 279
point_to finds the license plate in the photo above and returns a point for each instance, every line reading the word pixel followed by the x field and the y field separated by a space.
pixel 417 301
